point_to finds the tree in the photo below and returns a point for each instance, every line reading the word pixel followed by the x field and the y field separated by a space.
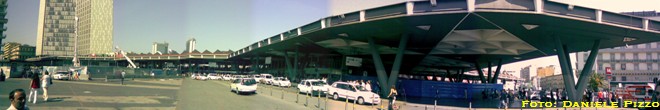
pixel 597 81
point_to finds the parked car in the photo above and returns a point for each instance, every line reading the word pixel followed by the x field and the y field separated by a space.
pixel 258 78
pixel 267 79
pixel 313 86
pixel 213 76
pixel 226 77
pixel 282 81
pixel 62 75
pixel 353 92
pixel 244 85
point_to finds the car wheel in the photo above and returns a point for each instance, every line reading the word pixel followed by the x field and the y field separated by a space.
pixel 335 96
pixel 360 100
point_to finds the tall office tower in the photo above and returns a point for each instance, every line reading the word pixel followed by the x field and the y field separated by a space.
pixel 3 20
pixel 163 48
pixel 190 45
pixel 55 27
pixel 94 26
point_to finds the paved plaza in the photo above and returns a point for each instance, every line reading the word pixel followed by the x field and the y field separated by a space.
pixel 187 94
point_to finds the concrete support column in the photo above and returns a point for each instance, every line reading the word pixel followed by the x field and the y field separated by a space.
pixel 287 61
pixel 295 65
pixel 586 71
pixel 490 71
pixel 398 59
pixel 569 84
pixel 380 69
pixel 481 72
pixel 497 72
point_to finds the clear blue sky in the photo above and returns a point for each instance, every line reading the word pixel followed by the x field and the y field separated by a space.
pixel 216 24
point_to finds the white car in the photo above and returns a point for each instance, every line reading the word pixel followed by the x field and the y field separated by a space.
pixel 268 79
pixel 226 77
pixel 258 78
pixel 213 76
pixel 61 75
pixel 353 92
pixel 244 85
pixel 282 81
pixel 312 86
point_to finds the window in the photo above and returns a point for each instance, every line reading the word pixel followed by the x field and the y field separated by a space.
pixel 613 78
pixel 635 56
pixel 648 56
pixel 640 91
pixel 600 66
pixel 623 67
pixel 623 78
pixel 636 66
pixel 611 56
pixel 600 56
pixel 649 66
pixel 623 57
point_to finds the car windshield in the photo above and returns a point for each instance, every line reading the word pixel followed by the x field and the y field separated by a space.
pixel 318 83
pixel 257 76
pixel 269 77
pixel 249 82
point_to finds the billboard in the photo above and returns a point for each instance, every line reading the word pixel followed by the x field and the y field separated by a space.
pixel 353 61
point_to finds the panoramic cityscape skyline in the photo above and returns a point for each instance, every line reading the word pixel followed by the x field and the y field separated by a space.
pixel 198 20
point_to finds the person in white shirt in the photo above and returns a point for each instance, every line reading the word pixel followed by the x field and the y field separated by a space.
pixel 45 83
pixel 368 85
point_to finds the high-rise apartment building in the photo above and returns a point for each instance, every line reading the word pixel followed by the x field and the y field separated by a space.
pixel 94 26
pixel 163 48
pixel 545 71
pixel 56 27
pixel 190 45
pixel 524 73
pixel 3 20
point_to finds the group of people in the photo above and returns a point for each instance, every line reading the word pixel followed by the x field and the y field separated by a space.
pixel 18 97
pixel 37 82
pixel 365 84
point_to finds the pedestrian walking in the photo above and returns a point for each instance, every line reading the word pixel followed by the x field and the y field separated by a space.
pixel 502 97
pixel 34 88
pixel 17 100
pixel 46 81
pixel 392 95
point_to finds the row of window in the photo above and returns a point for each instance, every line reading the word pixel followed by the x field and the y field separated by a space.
pixel 627 56
pixel 626 66
pixel 636 78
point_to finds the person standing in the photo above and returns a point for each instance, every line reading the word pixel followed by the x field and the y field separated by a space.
pixel 34 88
pixel 122 77
pixel 368 85
pixel 17 100
pixel 46 81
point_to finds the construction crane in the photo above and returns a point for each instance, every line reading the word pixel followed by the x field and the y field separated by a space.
pixel 130 62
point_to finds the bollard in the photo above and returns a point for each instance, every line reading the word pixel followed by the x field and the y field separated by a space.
pixel 106 78
pixel 346 104
pixel 271 91
pixel 297 94
pixel 306 99
pixel 326 102
pixel 318 100
pixel 282 95
pixel 435 104
pixel 354 103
